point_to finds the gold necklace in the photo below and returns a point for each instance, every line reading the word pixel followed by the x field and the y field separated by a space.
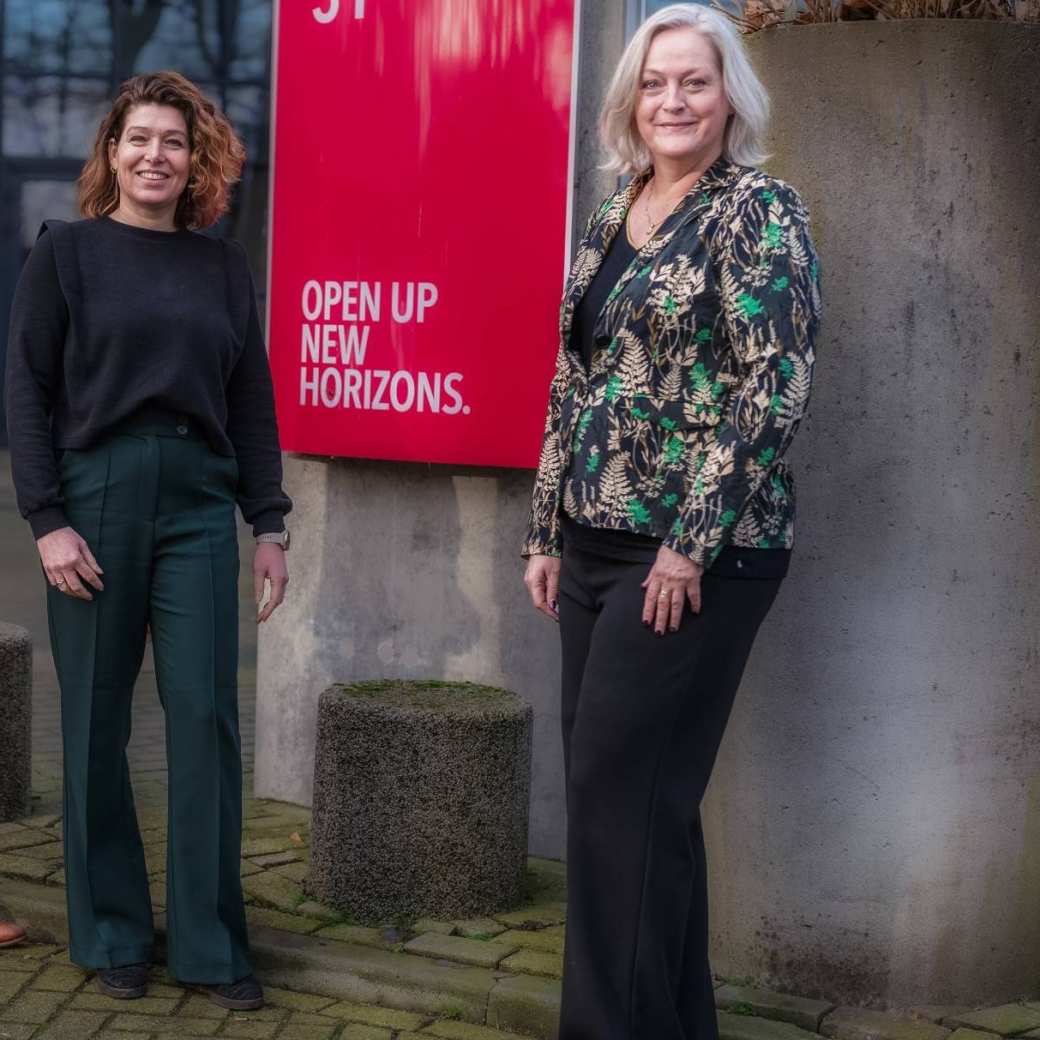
pixel 651 225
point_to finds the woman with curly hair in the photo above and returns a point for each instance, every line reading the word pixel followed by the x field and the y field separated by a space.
pixel 140 410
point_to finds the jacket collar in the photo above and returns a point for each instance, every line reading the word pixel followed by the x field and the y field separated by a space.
pixel 610 221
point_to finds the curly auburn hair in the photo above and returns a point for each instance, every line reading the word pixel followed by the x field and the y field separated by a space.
pixel 217 154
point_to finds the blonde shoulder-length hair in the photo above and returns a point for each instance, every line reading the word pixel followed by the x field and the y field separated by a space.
pixel 626 152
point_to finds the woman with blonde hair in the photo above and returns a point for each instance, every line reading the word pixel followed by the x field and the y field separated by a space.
pixel 662 519
pixel 140 410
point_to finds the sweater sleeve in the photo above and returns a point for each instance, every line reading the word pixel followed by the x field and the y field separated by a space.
pixel 34 378
pixel 769 279
pixel 252 426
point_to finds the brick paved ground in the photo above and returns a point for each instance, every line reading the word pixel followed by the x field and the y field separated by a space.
pixel 44 997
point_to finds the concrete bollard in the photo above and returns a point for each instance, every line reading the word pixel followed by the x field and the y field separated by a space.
pixel 421 794
pixel 15 721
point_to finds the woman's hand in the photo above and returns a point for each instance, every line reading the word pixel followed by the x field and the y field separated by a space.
pixel 269 566
pixel 672 579
pixel 542 579
pixel 69 564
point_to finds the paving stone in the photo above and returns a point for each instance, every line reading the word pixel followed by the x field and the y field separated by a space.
pixel 546 879
pixel 465 1031
pixel 847 1023
pixel 273 890
pixel 248 868
pixel 277 859
pixel 72 1025
pixel 250 1028
pixel 534 962
pixel 163 989
pixel 529 918
pixel 973 1034
pixel 155 858
pixel 475 928
pixel 293 871
pixel 52 851
pixel 380 938
pixel 177 1026
pixel 15 1030
pixel 22 867
pixel 265 846
pixel 747 1027
pixel 295 1031
pixel 286 998
pixel 525 1005
pixel 548 940
pixel 365 1033
pixel 321 912
pixel 309 1018
pixel 779 1006
pixel 33 1006
pixel 10 983
pixel 1007 1020
pixel 936 1012
pixel 34 952
pixel 462 951
pixel 286 922
pixel 62 978
pixel 149 1005
pixel 57 878
pixel 200 1006
pixel 23 839
pixel 370 1015
pixel 431 924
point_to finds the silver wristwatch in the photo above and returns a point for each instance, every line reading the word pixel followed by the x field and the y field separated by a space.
pixel 277 537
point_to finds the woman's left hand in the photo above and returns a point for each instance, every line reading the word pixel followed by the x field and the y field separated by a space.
pixel 269 566
pixel 672 580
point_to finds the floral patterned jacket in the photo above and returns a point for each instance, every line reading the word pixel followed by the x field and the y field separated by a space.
pixel 702 371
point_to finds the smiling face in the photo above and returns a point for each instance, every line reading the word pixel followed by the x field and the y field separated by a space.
pixel 152 159
pixel 682 110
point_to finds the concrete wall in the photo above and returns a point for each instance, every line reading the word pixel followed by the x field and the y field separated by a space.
pixel 413 571
pixel 874 820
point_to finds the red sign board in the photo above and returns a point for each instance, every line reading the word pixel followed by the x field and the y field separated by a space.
pixel 419 216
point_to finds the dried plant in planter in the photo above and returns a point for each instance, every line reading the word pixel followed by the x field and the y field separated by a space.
pixel 760 14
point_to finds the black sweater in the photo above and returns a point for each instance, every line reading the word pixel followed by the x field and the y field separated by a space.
pixel 109 319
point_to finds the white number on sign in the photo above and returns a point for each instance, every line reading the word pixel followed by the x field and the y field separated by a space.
pixel 330 15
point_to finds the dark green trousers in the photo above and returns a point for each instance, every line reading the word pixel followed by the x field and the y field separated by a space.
pixel 157 508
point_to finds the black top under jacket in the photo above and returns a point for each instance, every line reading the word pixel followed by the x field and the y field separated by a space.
pixel 733 561
pixel 110 319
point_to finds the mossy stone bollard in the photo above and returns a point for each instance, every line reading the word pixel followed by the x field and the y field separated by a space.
pixel 15 721
pixel 421 794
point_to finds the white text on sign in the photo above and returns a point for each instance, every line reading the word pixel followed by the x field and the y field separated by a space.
pixel 335 367
pixel 329 14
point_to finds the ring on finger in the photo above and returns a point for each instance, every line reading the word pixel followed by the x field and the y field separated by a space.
pixel 662 595
pixel 60 582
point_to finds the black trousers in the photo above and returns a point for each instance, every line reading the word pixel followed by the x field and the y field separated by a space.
pixel 643 717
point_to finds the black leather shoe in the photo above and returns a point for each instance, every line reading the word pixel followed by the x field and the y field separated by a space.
pixel 244 995
pixel 126 983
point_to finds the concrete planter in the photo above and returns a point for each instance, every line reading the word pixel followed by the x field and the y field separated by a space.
pixel 874 822
pixel 421 794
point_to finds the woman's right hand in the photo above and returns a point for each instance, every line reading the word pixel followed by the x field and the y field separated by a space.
pixel 542 579
pixel 69 563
